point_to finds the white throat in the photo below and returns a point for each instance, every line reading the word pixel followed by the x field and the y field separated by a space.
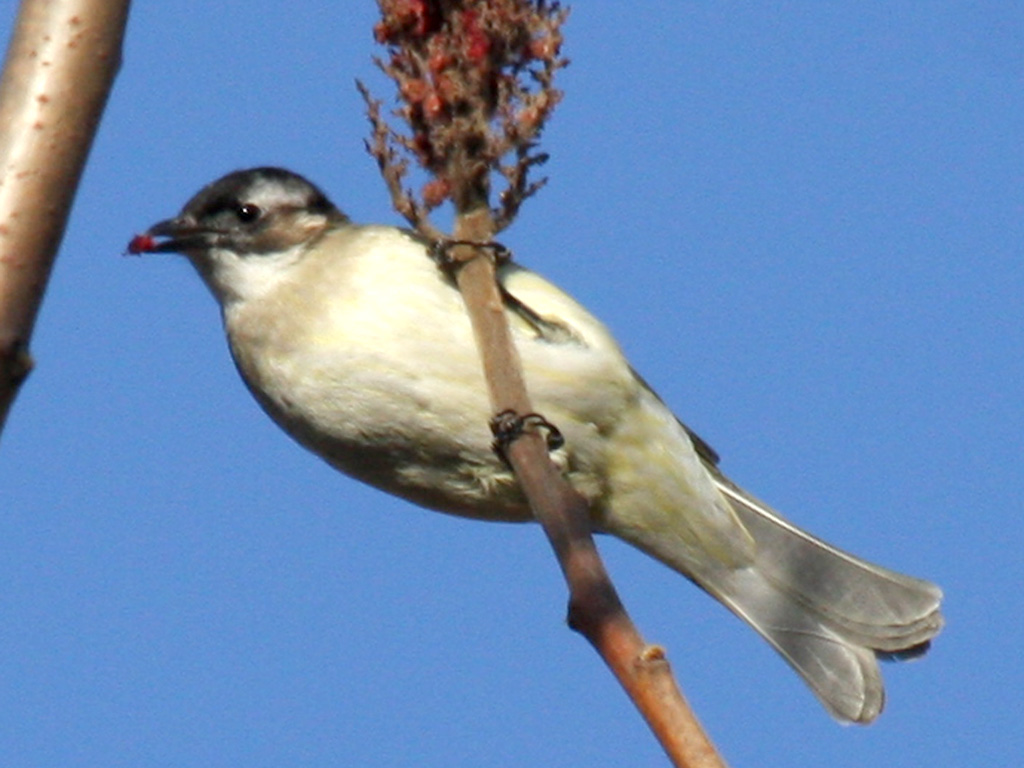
pixel 235 278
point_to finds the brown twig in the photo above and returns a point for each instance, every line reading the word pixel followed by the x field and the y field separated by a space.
pixel 476 84
pixel 60 67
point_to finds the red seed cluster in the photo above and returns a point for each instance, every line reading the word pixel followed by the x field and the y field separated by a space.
pixel 405 17
pixel 475 78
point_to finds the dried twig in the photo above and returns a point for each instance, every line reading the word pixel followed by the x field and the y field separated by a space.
pixel 476 84
pixel 60 67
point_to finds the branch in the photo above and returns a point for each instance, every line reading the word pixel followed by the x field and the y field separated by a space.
pixel 60 67
pixel 457 68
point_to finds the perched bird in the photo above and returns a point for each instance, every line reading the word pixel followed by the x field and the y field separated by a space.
pixel 356 343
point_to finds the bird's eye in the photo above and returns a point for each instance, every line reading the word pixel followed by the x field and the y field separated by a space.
pixel 248 212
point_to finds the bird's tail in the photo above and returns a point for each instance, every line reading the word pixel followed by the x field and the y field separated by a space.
pixel 830 615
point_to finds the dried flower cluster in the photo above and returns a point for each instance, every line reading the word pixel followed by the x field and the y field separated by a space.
pixel 475 80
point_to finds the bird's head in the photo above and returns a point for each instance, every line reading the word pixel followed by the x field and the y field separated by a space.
pixel 244 230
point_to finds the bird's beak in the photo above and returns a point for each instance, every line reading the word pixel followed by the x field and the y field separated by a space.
pixel 177 235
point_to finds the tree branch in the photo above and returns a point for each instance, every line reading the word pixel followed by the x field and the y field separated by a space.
pixel 457 67
pixel 59 70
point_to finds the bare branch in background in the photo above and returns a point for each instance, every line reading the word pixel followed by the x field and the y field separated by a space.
pixel 475 83
pixel 60 67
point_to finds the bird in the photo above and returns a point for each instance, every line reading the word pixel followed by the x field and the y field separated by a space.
pixel 355 342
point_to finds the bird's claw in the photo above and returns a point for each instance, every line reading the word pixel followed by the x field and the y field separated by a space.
pixel 441 252
pixel 508 426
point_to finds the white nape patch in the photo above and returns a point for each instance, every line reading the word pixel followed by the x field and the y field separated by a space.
pixel 273 193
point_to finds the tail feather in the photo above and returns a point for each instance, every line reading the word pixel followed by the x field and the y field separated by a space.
pixel 829 614
pixel 874 606
pixel 844 675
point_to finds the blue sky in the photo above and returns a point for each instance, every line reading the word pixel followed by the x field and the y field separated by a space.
pixel 804 224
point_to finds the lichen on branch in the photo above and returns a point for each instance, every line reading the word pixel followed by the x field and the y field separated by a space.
pixel 475 84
